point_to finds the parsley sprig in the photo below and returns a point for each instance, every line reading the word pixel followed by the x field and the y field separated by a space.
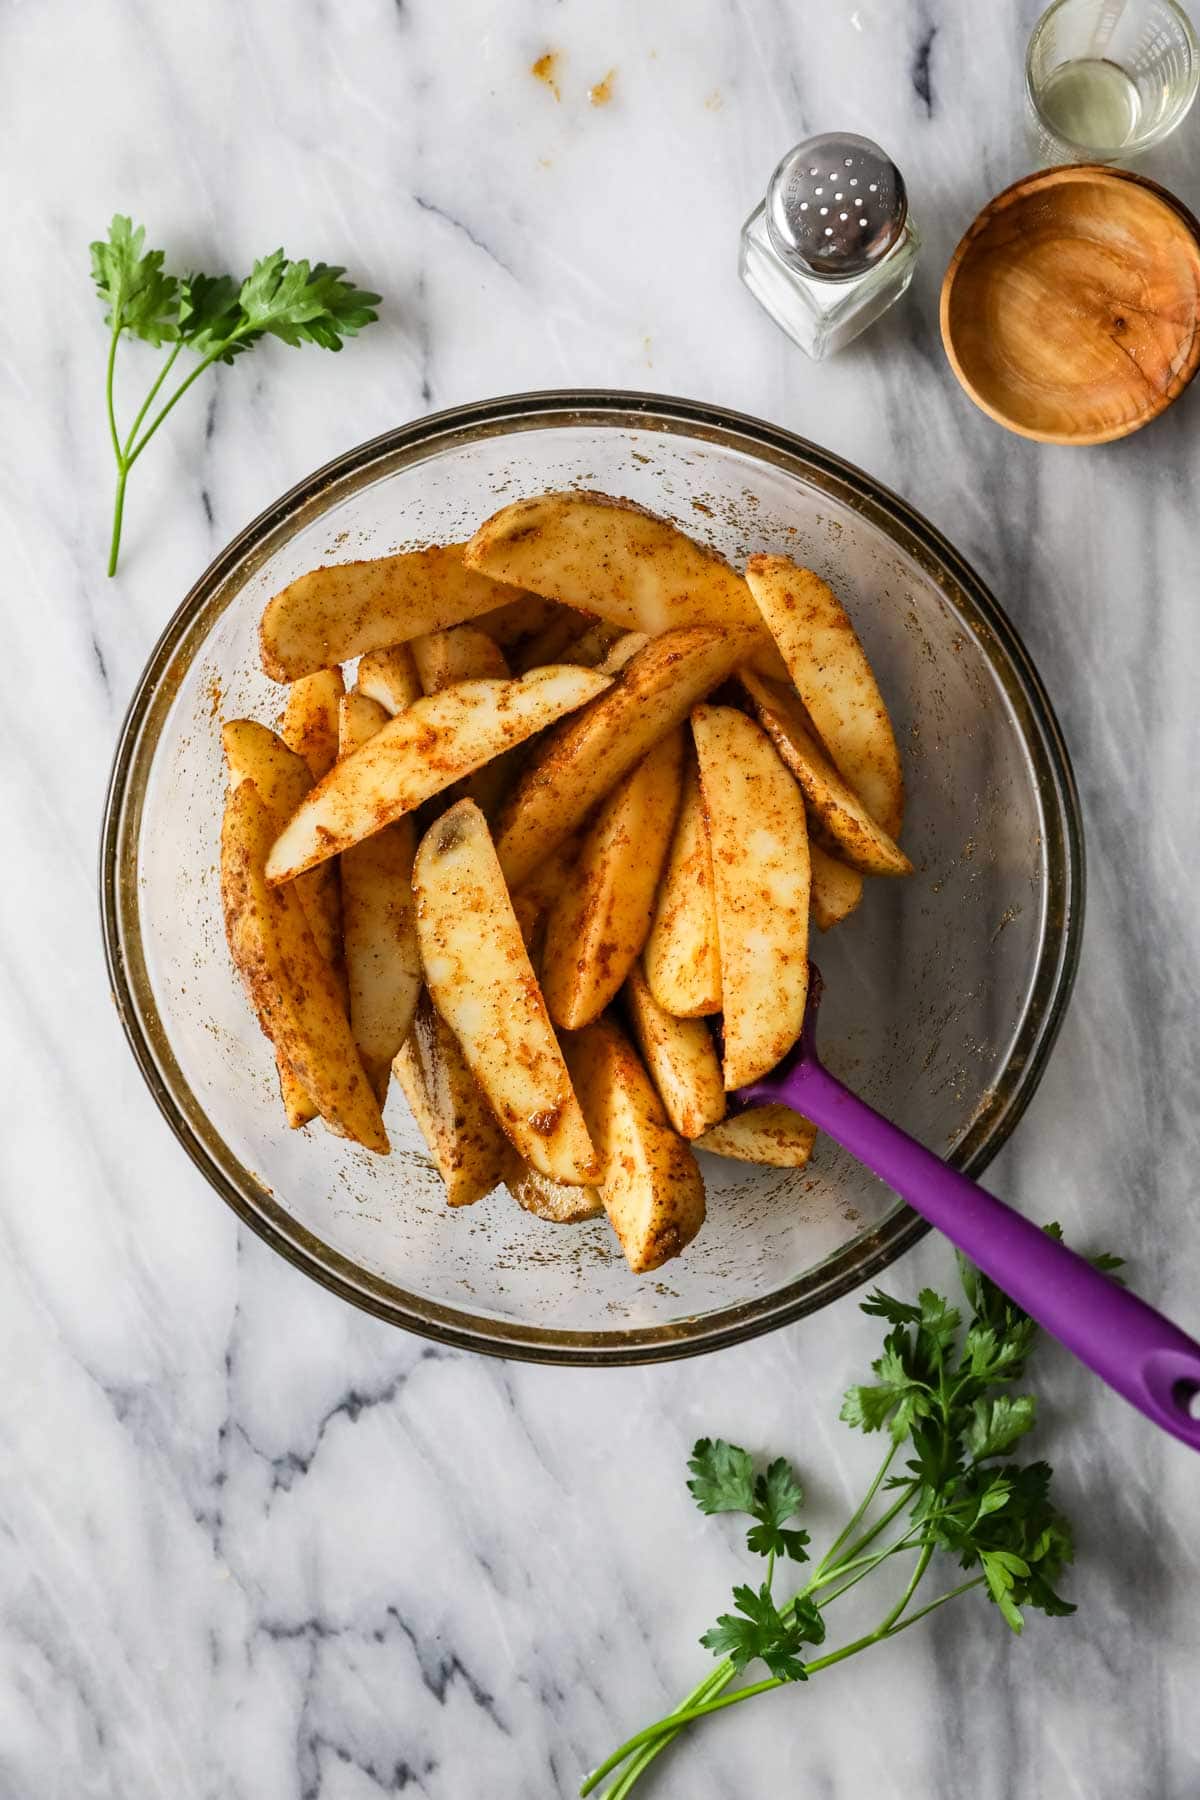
pixel 213 316
pixel 944 1387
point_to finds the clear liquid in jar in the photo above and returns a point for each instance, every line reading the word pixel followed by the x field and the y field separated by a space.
pixel 1092 102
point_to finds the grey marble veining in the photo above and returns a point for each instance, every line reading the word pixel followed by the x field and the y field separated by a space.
pixel 254 1546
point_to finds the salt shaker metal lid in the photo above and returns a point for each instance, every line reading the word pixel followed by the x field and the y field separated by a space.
pixel 835 206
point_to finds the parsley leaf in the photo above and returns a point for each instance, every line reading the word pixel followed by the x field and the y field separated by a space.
pixel 997 1423
pixel 723 1477
pixel 759 1631
pixel 723 1480
pixel 215 317
pixel 778 1497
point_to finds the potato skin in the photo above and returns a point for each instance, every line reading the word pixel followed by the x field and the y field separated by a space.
pixel 468 1148
pixel 681 1059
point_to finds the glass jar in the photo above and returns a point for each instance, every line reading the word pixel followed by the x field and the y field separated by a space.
pixel 832 244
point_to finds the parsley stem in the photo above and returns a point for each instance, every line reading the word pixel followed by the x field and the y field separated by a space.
pixel 910 1590
pixel 108 388
pixel 167 366
pixel 205 362
pixel 114 548
pixel 859 1512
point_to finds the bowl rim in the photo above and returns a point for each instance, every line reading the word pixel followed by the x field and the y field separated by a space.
pixel 1072 175
pixel 854 1263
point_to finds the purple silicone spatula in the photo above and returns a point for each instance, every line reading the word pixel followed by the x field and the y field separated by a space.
pixel 1129 1345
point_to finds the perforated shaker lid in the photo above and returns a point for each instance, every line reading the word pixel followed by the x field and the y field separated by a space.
pixel 836 205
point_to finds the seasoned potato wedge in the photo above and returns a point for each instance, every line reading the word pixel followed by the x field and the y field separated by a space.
pixel 463 653
pixel 469 1149
pixel 592 649
pixel 836 890
pixel 390 677
pixel 681 1057
pixel 481 981
pixel 835 811
pixel 383 964
pixel 445 658
pixel 764 1134
pixel 651 1185
pixel 553 1201
pixel 623 651
pixel 255 753
pixel 334 613
pixel 682 961
pixel 599 922
pixel 289 982
pixel 759 838
pixel 613 558
pixel 309 724
pixel 834 679
pixel 577 765
pixel 419 753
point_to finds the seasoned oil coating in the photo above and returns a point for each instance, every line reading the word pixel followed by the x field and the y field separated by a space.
pixel 576 766
pixel 469 1149
pixel 836 814
pixel 389 677
pixel 419 753
pixel 682 961
pixel 288 981
pixel 759 838
pixel 338 612
pixel 651 1184
pixel 465 653
pixel 681 1058
pixel 611 557
pixel 764 1134
pixel 481 981
pixel 834 679
pixel 599 922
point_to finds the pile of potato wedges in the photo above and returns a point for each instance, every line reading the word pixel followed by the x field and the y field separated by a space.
pixel 550 858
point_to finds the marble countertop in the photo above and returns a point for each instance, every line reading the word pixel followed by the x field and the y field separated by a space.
pixel 254 1545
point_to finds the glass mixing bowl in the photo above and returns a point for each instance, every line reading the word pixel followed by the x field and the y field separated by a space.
pixel 943 992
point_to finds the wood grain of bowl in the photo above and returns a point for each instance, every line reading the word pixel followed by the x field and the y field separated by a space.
pixel 1070 311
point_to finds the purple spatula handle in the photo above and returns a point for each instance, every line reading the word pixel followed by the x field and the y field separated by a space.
pixel 1129 1345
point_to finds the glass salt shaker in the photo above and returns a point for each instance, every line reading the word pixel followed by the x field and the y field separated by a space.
pixel 832 245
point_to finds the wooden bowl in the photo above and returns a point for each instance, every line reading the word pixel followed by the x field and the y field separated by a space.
pixel 1071 309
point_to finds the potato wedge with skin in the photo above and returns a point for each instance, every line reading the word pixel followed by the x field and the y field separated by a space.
pixel 835 811
pixel 651 1184
pixel 383 964
pixel 600 920
pixel 468 1148
pixel 574 767
pixel 419 753
pixel 832 676
pixel 461 654
pixel 592 649
pixel 681 960
pixel 534 901
pixel 774 1135
pixel 759 837
pixel 309 724
pixel 836 889
pixel 610 557
pixel 553 1201
pixel 681 1058
pixel 253 752
pixel 341 611
pixel 389 677
pixel 480 979
pixel 289 982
